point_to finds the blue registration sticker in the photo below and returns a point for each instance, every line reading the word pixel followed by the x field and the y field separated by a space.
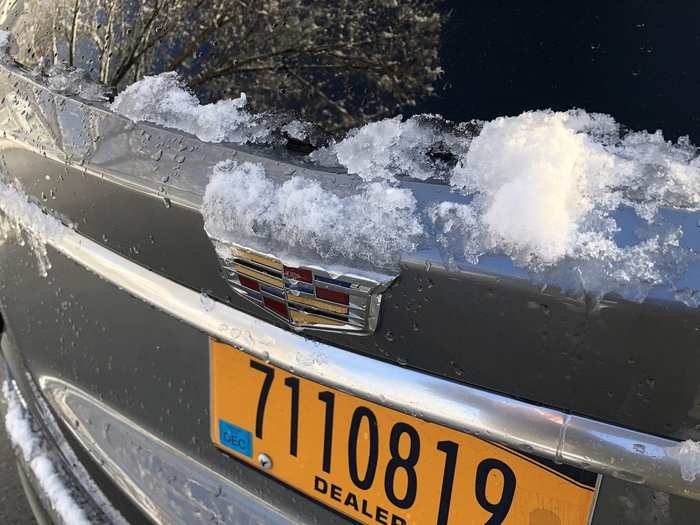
pixel 236 438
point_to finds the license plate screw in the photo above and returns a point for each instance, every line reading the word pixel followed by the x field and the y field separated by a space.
pixel 264 461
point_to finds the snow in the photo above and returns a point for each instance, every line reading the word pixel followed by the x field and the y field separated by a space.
pixel 527 172
pixel 688 455
pixel 5 39
pixel 207 302
pixel 375 225
pixel 164 100
pixel 297 130
pixel 547 189
pixel 19 429
pixel 22 215
pixel 73 81
pixel 546 186
pixel 546 182
pixel 7 44
pixel 394 147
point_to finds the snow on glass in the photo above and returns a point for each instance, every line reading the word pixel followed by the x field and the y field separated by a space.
pixel 546 189
pixel 164 100
pixel 394 147
pixel 19 428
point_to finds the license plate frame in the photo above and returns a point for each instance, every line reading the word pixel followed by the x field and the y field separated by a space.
pixel 458 479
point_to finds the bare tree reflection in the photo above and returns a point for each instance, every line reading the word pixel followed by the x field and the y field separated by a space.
pixel 338 62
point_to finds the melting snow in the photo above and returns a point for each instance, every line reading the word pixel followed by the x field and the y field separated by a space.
pixel 164 100
pixel 547 189
pixel 375 225
pixel 5 39
pixel 7 44
pixel 19 428
pixel 688 455
pixel 208 304
pixel 298 130
pixel 22 215
pixel 73 81
pixel 394 147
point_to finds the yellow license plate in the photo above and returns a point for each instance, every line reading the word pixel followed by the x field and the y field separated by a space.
pixel 374 464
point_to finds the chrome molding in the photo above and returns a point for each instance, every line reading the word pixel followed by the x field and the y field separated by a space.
pixel 552 434
pixel 169 487
pixel 68 470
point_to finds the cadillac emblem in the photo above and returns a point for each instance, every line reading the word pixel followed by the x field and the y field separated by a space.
pixel 304 296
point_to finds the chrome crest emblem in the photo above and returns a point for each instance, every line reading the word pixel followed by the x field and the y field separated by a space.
pixel 304 296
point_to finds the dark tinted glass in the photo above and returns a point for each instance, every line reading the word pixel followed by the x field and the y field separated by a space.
pixel 338 62
pixel 343 62
pixel 634 60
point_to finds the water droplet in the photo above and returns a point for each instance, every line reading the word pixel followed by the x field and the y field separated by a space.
pixel 207 302
pixel 456 369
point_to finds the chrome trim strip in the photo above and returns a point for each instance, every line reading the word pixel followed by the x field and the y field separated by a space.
pixel 167 485
pixel 594 503
pixel 67 469
pixel 549 433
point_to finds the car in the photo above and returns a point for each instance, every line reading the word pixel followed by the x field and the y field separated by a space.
pixel 369 262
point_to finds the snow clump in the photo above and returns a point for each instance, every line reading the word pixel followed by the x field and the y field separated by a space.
pixel 395 147
pixel 164 100
pixel 20 215
pixel 546 187
pixel 8 46
pixel 375 225
pixel 556 192
pixel 688 455
pixel 19 429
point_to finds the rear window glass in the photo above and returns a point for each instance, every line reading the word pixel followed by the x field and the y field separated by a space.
pixel 342 64
pixel 632 60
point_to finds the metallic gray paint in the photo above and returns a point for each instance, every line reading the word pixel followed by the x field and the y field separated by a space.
pixel 563 438
pixel 608 363
pixel 151 369
pixel 74 135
